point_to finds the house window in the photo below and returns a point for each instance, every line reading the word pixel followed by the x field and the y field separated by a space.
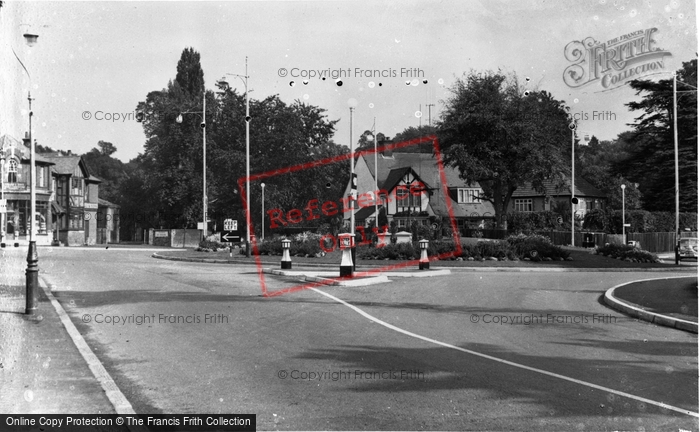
pixel 404 198
pixel 12 172
pixel 41 177
pixel 523 205
pixel 468 195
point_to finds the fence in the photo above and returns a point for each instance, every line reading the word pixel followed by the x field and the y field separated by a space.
pixel 652 242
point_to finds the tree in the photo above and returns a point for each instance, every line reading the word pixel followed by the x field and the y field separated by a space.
pixel 173 151
pixel 412 132
pixel 595 163
pixel 110 170
pixel 501 136
pixel 651 161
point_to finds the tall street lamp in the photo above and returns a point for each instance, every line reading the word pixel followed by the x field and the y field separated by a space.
pixel 574 200
pixel 32 272
pixel 203 125
pixel 244 79
pixel 375 138
pixel 624 239
pixel 262 237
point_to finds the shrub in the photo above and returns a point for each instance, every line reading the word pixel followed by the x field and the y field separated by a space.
pixel 524 245
pixel 626 251
pixel 211 244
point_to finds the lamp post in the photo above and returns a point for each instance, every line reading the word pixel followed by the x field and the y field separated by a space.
pixel 32 272
pixel 574 200
pixel 624 239
pixel 204 159
pixel 353 191
pixel 375 138
pixel 244 78
pixel 262 237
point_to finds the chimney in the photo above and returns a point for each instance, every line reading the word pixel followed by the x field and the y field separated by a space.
pixel 387 153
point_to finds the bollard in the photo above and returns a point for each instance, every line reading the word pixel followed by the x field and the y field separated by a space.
pixel 286 259
pixel 347 241
pixel 423 263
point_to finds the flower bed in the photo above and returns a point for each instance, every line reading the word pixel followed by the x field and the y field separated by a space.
pixel 525 247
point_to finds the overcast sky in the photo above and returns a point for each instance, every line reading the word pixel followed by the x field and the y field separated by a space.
pixel 107 56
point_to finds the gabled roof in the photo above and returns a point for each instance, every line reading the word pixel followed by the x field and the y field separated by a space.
pixel 396 175
pixel 67 164
pixel 582 188
pixel 423 164
pixel 22 151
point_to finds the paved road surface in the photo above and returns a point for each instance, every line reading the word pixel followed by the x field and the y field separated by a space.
pixel 306 361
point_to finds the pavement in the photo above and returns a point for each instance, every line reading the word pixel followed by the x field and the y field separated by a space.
pixel 45 368
pixel 42 371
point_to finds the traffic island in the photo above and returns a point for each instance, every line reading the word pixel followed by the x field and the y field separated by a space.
pixel 670 302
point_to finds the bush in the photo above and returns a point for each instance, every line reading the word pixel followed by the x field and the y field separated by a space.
pixel 626 252
pixel 302 244
pixel 525 245
pixel 209 244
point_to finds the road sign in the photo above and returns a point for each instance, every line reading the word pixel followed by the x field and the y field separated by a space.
pixel 3 206
pixel 230 236
pixel 626 225
pixel 230 225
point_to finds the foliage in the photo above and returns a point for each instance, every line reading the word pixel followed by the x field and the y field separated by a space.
pixel 535 221
pixel 625 252
pixel 651 160
pixel 524 245
pixel 208 244
pixel 109 169
pixel 497 133
pixel 301 245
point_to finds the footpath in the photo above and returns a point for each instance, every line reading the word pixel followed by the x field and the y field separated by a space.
pixel 41 369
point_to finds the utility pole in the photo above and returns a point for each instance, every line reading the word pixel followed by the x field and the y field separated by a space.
pixel 430 118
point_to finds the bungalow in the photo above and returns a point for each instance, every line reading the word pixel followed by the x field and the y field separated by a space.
pixel 558 195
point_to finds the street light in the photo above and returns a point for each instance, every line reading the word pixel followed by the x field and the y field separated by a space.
pixel 574 200
pixel 624 239
pixel 244 79
pixel 203 125
pixel 32 272
pixel 262 237
pixel 375 138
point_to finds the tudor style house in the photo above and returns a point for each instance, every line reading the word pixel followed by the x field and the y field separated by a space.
pixel 409 188
pixel 66 197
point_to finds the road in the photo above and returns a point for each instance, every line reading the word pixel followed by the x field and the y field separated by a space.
pixel 487 351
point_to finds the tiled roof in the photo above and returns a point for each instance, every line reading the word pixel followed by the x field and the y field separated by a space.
pixel 63 164
pixel 581 189
pixel 106 203
pixel 423 164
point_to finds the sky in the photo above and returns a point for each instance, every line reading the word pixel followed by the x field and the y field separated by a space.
pixel 97 59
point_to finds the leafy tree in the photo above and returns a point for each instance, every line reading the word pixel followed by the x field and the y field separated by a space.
pixel 174 150
pixel 501 136
pixel 651 161
pixel 412 132
pixel 595 163
pixel 110 170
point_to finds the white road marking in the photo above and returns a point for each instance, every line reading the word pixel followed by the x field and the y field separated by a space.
pixel 510 363
pixel 116 397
